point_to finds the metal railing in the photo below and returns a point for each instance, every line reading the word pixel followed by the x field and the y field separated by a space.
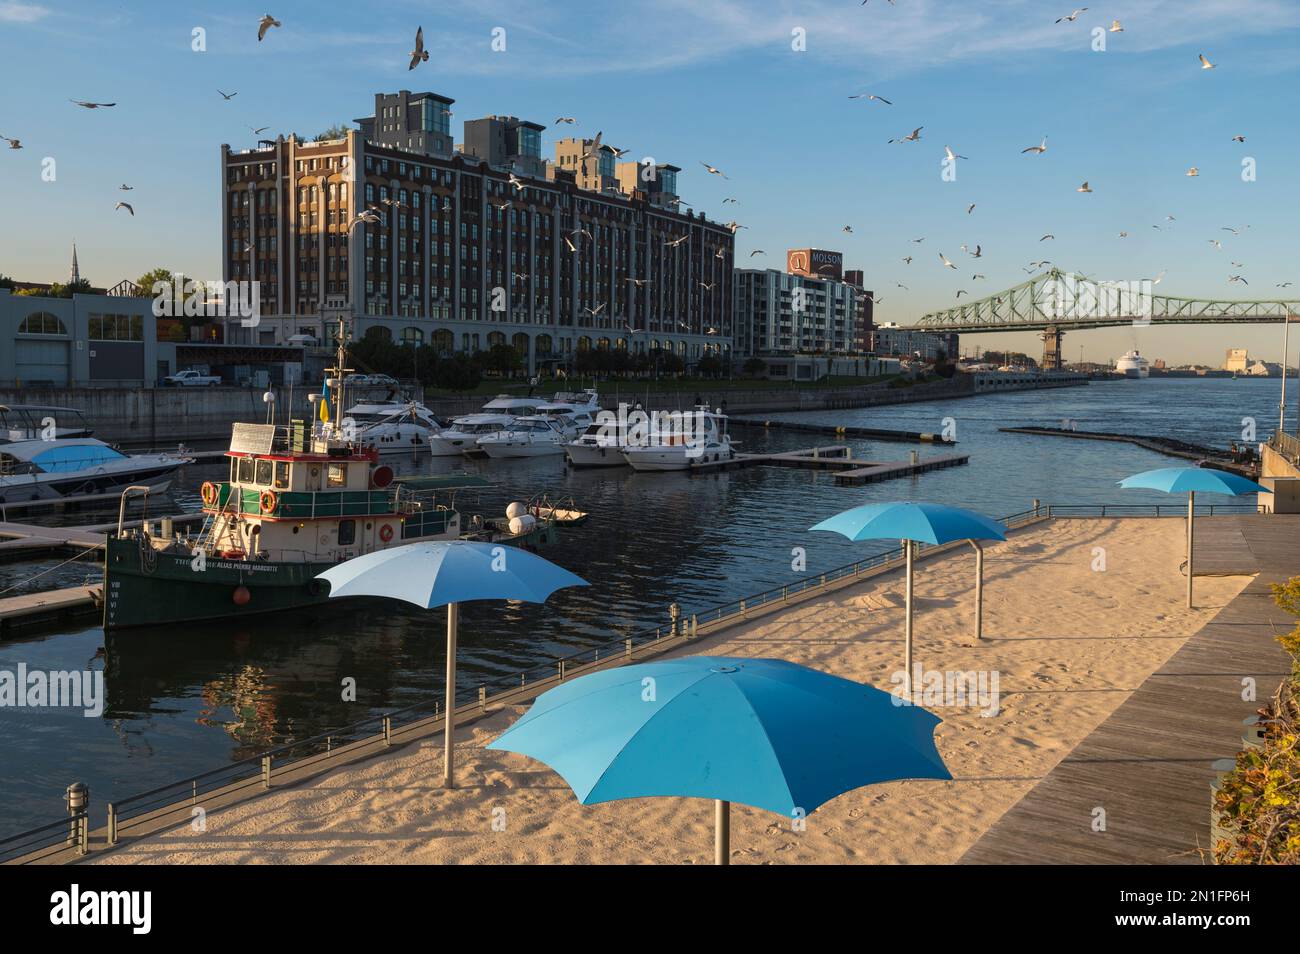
pixel 1288 445
pixel 38 843
pixel 181 797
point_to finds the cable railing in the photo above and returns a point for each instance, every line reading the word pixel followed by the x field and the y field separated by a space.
pixel 169 804
pixel 1288 445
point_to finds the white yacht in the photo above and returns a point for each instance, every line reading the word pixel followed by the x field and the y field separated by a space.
pixel 394 427
pixel 1133 365
pixel 498 413
pixel 585 400
pixel 600 445
pixel 700 438
pixel 67 468
pixel 30 422
pixel 535 436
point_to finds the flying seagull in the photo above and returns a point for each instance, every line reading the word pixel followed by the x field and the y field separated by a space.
pixel 1072 17
pixel 565 119
pixel 757 251
pixel 918 241
pixel 970 208
pixel 368 216
pixel 673 243
pixel 914 136
pixel 259 131
pixel 962 291
pixel 1123 235
pixel 126 188
pixel 265 24
pixel 1215 242
pixel 907 260
pixel 13 143
pixel 879 99
pixel 1036 150
pixel 943 258
pixel 1193 171
pixel 1115 27
pixel 977 253
pixel 1049 235
pixel 568 242
pixel 419 54
pixel 517 182
pixel 1237 278
pixel 713 170
pixel 92 105
pixel 124 205
pixel 1206 64
pixel 1084 188
pixel 952 156
pixel 1238 138
pixel 228 96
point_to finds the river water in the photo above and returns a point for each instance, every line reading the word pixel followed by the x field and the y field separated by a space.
pixel 192 698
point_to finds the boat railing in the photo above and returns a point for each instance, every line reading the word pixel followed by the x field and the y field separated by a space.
pixel 174 803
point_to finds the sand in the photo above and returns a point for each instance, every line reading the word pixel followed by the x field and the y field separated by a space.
pixel 1069 643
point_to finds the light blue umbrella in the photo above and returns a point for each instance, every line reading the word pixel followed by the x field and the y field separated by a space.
pixel 1189 480
pixel 762 732
pixel 927 523
pixel 450 572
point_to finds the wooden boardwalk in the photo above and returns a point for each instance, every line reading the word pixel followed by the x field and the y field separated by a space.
pixel 1148 765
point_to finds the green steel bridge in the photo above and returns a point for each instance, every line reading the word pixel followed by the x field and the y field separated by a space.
pixel 1055 302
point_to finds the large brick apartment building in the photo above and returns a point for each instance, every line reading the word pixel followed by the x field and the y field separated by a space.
pixel 462 257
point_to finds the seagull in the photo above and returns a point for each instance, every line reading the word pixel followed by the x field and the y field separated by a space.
pixel 580 231
pixel 1206 64
pixel 565 119
pixel 1123 235
pixel 1072 17
pixel 1237 278
pixel 126 188
pixel 1047 236
pixel 970 208
pixel 1036 150
pixel 1228 228
pixel 228 96
pixel 1158 278
pixel 1084 188
pixel 914 136
pixel 879 99
pixel 1216 243
pixel 1115 27
pixel 595 311
pixel 728 199
pixel 1283 284
pixel 907 260
pixel 943 258
pixel 977 253
pixel 92 105
pixel 258 132
pixel 13 143
pixel 595 147
pixel 1193 171
pixel 952 156
pixel 673 243
pixel 639 282
pixel 848 229
pixel 265 24
pixel 1040 264
pixel 1238 138
pixel 1237 264
pixel 707 286
pixel 721 252
pixel 962 291
pixel 757 251
pixel 735 226
pixel 902 286
pixel 633 331
pixel 713 170
pixel 572 247
pixel 918 241
pixel 419 54
pixel 124 205
pixel 368 216
pixel 517 182
pixel 976 277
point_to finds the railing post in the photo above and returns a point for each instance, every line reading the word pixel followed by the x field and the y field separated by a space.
pixel 266 771
pixel 627 647
pixel 112 824
pixel 695 624
pixel 388 730
pixel 482 698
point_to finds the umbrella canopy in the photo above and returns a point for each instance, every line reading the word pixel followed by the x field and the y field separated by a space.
pixel 922 522
pixel 440 572
pixel 762 732
pixel 1201 480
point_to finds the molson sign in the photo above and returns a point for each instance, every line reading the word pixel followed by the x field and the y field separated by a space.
pixel 815 263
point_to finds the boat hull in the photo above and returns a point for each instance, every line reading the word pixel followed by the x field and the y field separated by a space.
pixel 592 455
pixel 502 450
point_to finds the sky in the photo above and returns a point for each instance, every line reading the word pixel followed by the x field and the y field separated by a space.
pixel 759 89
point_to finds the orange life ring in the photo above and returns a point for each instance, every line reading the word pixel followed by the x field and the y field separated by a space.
pixel 267 501
pixel 386 532
pixel 208 492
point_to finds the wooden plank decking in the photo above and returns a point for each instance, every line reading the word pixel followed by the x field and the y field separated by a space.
pixel 1148 764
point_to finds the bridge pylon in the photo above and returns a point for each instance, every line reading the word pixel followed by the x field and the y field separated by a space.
pixel 1052 336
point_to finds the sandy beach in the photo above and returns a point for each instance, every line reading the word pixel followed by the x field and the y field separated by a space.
pixel 1068 643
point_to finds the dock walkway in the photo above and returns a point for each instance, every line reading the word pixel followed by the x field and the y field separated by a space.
pixel 1148 765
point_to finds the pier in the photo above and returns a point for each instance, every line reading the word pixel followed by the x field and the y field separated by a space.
pixel 51 606
pixel 839 458
pixel 21 541
pixel 845 430
pixel 1168 446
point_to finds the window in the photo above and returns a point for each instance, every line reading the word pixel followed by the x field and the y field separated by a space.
pixel 338 477
pixel 347 529
pixel 281 475
pixel 245 470
pixel 116 328
pixel 264 472
pixel 42 323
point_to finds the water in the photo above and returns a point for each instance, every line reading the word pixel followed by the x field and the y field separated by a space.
pixel 192 698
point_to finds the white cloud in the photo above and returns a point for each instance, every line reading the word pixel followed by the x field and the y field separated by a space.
pixel 14 12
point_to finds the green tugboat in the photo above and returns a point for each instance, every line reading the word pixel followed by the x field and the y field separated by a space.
pixel 299 499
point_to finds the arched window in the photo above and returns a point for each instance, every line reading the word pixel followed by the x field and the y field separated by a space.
pixel 413 336
pixel 380 331
pixel 495 338
pixel 444 340
pixel 584 343
pixel 42 323
pixel 544 344
pixel 520 343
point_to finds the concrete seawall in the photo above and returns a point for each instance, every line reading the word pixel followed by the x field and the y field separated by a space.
pixel 165 417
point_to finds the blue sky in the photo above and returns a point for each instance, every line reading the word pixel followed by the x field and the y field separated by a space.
pixel 691 82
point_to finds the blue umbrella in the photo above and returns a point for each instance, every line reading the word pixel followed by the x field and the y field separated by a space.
pixel 927 523
pixel 1189 480
pixel 762 732
pixel 449 572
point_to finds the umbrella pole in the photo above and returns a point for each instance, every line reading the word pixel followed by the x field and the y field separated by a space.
pixel 908 546
pixel 449 715
pixel 1191 517
pixel 979 589
pixel 721 832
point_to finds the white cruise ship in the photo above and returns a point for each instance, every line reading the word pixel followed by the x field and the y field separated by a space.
pixel 1133 365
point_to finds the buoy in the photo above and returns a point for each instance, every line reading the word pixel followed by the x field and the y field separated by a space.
pixel 516 509
pixel 381 477
pixel 241 596
pixel 386 532
pixel 522 524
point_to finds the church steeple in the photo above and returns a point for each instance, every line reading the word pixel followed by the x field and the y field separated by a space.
pixel 76 272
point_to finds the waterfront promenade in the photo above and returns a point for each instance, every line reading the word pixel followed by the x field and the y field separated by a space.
pixel 1070 644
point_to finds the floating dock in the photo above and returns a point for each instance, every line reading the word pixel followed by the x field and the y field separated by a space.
pixel 839 458
pixel 846 430
pixel 19 541
pixel 1169 446
pixel 51 606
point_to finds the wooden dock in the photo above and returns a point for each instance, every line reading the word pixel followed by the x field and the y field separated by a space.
pixel 839 458
pixel 20 541
pixel 1148 765
pixel 846 430
pixel 899 468
pixel 52 606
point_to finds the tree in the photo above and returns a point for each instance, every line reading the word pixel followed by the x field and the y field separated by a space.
pixel 6 282
pixel 334 132
pixel 754 367
pixel 152 277
pixel 709 366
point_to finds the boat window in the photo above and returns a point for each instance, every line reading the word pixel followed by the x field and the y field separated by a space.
pixel 347 528
pixel 281 475
pixel 245 470
pixel 234 470
pixel 264 472
pixel 338 477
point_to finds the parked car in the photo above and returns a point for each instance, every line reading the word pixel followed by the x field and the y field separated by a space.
pixel 190 379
